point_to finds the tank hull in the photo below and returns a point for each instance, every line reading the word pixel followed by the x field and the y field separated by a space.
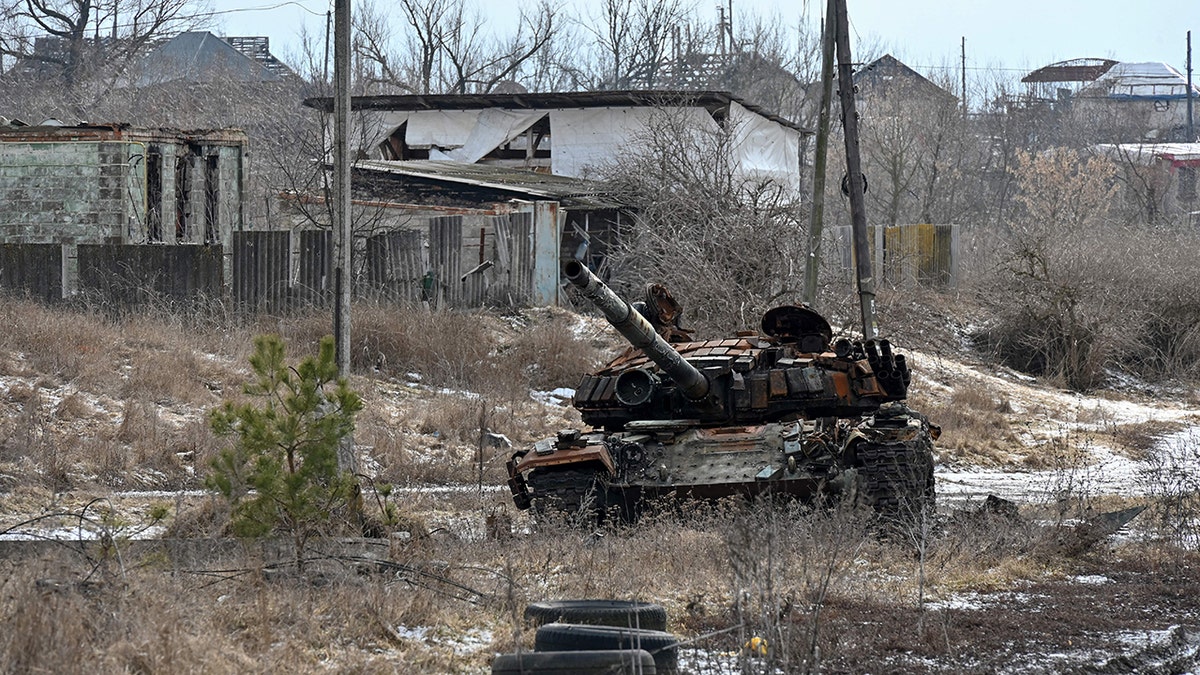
pixel 883 460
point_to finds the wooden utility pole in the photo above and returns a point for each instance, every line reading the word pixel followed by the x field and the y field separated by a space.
pixel 1191 128
pixel 816 224
pixel 342 239
pixel 964 77
pixel 855 182
pixel 341 183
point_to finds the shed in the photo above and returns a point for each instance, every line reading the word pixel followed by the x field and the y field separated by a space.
pixel 1151 96
pixel 474 234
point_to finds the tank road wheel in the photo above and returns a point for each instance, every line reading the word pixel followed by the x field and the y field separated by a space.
pixel 575 492
pixel 896 479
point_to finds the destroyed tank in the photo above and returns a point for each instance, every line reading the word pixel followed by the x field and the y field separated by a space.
pixel 783 410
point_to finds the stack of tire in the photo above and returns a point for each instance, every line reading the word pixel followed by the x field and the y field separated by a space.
pixel 589 637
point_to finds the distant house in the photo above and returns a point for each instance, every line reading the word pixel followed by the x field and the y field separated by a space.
pixel 194 56
pixel 886 79
pixel 201 57
pixel 64 187
pixel 1164 169
pixel 1147 97
pixel 1062 80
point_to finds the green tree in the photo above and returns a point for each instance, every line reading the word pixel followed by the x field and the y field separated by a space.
pixel 280 473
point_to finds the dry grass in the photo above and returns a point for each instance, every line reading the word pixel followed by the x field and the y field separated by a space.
pixel 800 576
pixel 122 402
pixel 821 583
pixel 976 427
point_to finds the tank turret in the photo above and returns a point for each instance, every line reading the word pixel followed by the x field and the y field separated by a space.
pixel 787 370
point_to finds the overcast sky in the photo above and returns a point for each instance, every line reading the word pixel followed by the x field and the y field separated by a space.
pixel 1014 34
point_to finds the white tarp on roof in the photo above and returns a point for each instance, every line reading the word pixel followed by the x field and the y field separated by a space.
pixel 443 129
pixel 588 138
pixel 592 137
pixel 764 149
pixel 493 127
pixel 583 138
pixel 1151 80
pixel 456 135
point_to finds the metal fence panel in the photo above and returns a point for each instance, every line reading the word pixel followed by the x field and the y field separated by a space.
pixel 136 274
pixel 261 270
pixel 34 270
pixel 396 265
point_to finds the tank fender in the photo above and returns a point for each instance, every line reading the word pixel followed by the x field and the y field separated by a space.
pixel 849 456
pixel 587 454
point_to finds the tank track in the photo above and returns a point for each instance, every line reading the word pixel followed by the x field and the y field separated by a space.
pixel 896 479
pixel 570 491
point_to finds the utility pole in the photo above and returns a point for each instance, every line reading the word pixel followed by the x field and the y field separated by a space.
pixel 341 183
pixel 858 213
pixel 342 240
pixel 816 224
pixel 1191 129
pixel 964 77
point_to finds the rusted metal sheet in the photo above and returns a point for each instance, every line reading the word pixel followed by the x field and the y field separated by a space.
pixel 924 253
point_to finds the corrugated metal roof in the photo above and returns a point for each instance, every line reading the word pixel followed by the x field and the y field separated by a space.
pixel 514 181
pixel 713 101
pixel 1150 81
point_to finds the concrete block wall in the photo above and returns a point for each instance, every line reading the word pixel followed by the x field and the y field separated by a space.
pixel 65 193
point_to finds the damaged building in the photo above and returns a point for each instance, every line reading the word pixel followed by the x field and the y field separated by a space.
pixel 494 191
pixel 77 198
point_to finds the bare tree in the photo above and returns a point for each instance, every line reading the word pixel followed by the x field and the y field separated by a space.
pixel 632 39
pixel 447 46
pixel 726 242
pixel 82 37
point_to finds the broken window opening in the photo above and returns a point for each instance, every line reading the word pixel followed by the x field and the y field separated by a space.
pixel 531 146
pixel 182 190
pixel 212 197
pixel 394 147
pixel 154 195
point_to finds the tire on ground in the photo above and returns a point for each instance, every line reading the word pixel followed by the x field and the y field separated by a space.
pixel 583 662
pixel 629 613
pixel 663 646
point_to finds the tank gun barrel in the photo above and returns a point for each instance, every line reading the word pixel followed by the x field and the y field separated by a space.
pixel 637 330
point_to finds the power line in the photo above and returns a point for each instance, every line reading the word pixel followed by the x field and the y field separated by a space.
pixel 263 8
